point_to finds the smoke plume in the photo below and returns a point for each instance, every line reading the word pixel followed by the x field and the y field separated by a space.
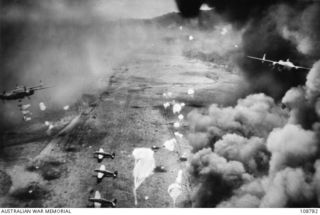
pixel 276 143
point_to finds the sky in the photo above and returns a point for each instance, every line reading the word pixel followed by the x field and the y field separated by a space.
pixel 134 8
pixel 107 9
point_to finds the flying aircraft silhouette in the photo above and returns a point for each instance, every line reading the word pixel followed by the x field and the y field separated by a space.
pixel 286 64
pixel 21 92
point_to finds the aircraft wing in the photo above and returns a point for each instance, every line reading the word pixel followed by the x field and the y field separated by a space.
pixel 263 60
pixel 39 88
pixel 301 67
pixel 100 153
pixel 98 200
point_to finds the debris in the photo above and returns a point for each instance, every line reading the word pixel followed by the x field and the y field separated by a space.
pixel 169 144
pixel 155 148
pixel 160 169
pixel 183 157
pixel 144 166
pixel 178 134
pixel 42 106
pixel 47 123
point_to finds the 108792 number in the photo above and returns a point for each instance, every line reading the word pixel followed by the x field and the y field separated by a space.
pixel 309 210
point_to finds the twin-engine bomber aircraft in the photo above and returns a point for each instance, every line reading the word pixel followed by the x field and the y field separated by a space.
pixel 20 92
pixel 101 154
pixel 286 64
pixel 101 202
pixel 103 172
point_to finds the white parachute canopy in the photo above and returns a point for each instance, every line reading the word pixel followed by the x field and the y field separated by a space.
pixel 26 106
pixel 177 107
pixel 143 167
pixel 169 144
pixel 26 112
pixel 179 177
pixel 166 105
pixel 190 92
pixel 180 117
pixel 42 106
pixel 175 189
pixel 176 125
pixel 178 134
pixel 66 107
pixel 167 95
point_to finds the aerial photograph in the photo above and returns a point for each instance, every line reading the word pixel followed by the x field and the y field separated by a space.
pixel 160 104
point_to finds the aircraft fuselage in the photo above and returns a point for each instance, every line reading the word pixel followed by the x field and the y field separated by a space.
pixel 16 95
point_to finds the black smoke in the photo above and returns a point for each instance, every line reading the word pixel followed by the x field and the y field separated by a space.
pixel 262 22
pixel 286 173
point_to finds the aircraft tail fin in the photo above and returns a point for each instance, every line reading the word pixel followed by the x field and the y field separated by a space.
pixel 115 174
pixel 263 58
pixel 114 202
